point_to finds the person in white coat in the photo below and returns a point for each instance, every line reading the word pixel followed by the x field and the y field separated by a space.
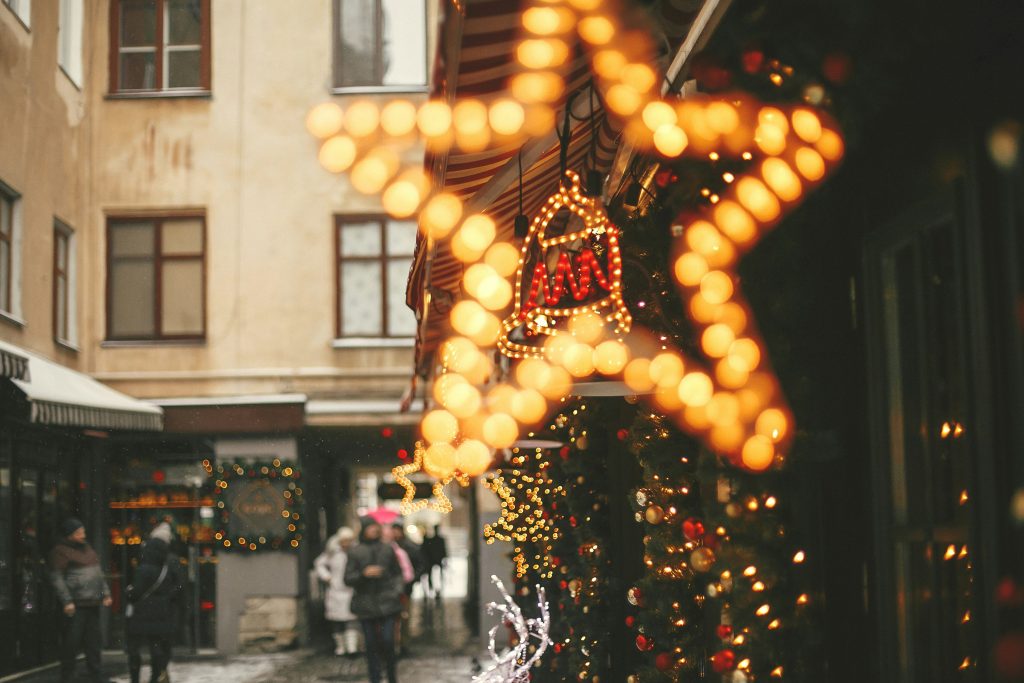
pixel 330 568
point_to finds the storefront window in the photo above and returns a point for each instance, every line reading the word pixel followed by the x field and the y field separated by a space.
pixel 146 491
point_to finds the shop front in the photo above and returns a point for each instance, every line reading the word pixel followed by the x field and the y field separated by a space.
pixel 55 433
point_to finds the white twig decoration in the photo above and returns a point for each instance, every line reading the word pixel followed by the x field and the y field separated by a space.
pixel 514 665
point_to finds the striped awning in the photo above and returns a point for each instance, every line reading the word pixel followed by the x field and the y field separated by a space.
pixel 13 365
pixel 60 396
pixel 484 62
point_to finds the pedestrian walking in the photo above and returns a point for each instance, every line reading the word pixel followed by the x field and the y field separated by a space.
pixel 82 591
pixel 410 559
pixel 435 553
pixel 373 571
pixel 330 568
pixel 151 613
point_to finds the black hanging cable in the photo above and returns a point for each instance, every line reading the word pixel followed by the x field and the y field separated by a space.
pixel 521 224
pixel 593 182
pixel 564 138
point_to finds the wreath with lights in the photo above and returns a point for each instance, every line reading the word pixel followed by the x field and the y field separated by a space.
pixel 275 471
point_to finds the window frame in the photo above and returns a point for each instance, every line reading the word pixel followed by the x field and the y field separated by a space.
pixel 8 309
pixel 378 88
pixel 74 72
pixel 158 219
pixel 383 258
pixel 25 21
pixel 62 231
pixel 114 90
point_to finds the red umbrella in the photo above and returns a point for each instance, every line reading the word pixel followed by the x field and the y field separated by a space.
pixel 383 515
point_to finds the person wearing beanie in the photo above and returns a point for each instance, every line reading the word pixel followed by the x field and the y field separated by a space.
pixel 82 591
pixel 330 568
pixel 152 606
pixel 375 575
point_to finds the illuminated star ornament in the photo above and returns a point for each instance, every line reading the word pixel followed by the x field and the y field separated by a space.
pixel 440 502
pixel 563 286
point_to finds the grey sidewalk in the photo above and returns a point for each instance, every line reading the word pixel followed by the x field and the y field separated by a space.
pixel 439 647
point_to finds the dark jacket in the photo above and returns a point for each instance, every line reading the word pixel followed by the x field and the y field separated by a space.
pixel 380 596
pixel 76 574
pixel 415 553
pixel 435 550
pixel 156 614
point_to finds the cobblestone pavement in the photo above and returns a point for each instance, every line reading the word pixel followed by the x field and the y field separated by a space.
pixel 439 649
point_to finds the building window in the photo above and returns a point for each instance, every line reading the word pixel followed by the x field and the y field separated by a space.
pixel 160 46
pixel 22 9
pixel 374 257
pixel 9 249
pixel 69 40
pixel 156 286
pixel 380 45
pixel 63 283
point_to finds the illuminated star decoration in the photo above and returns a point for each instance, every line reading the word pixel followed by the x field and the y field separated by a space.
pixel 440 501
pixel 514 665
pixel 732 401
pixel 524 521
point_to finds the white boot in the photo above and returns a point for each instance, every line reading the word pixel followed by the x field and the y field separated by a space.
pixel 351 641
pixel 339 643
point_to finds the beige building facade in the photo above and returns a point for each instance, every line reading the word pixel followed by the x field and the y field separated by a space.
pixel 171 234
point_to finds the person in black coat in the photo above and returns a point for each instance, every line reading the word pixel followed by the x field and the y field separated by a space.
pixel 373 572
pixel 153 605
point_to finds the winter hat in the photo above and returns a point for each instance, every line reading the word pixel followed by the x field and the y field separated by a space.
pixel 346 534
pixel 70 526
pixel 364 524
pixel 162 532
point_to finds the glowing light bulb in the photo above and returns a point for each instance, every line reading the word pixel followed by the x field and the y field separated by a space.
pixel 401 198
pixel 337 153
pixel 596 30
pixel 670 140
pixel 398 118
pixel 439 426
pixel 439 460
pixel 325 120
pixel 503 257
pixel 610 357
pixel 361 118
pixel 758 452
pixel 434 118
pixel 500 430
pixel 506 116
pixel 441 214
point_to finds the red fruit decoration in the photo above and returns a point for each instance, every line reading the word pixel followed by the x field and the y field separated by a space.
pixel 630 620
pixel 724 631
pixel 644 644
pixel 752 60
pixel 557 648
pixel 665 661
pixel 623 434
pixel 564 452
pixel 563 584
pixel 693 528
pixel 723 661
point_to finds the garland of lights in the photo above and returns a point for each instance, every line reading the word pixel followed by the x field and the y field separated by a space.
pixel 275 470
pixel 515 665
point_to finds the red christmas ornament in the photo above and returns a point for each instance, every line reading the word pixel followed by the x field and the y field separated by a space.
pixel 630 620
pixel 557 648
pixel 724 631
pixel 693 528
pixel 752 60
pixel 665 661
pixel 723 661
pixel 555 561
pixel 711 540
pixel 403 454
pixel 564 452
pixel 572 521
pixel 623 434
pixel 644 644
pixel 563 584
pixel 387 432
pixel 837 67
